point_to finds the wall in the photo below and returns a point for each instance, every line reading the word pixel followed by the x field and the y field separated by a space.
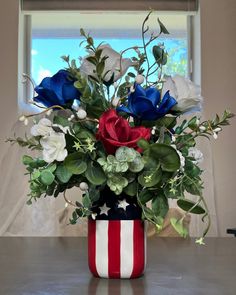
pixel 218 66
pixel 218 74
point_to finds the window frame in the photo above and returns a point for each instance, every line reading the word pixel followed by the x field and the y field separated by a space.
pixel 26 90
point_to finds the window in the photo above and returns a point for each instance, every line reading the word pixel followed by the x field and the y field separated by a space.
pixel 56 34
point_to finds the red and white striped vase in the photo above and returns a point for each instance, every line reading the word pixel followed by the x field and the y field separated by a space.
pixel 116 248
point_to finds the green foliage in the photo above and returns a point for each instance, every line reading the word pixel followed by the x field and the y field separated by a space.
pixel 190 206
pixel 95 174
pixel 179 227
pixel 75 163
pixel 160 55
pixel 163 154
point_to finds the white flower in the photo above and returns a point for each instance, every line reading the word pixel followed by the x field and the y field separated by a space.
pixel 185 92
pixel 54 147
pixel 43 128
pixel 112 64
pixel 196 154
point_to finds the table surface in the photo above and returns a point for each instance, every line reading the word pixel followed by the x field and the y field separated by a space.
pixel 58 266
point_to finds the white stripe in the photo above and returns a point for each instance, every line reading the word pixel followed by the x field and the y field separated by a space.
pixel 102 247
pixel 126 251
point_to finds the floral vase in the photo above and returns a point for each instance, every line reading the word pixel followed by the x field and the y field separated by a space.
pixel 117 240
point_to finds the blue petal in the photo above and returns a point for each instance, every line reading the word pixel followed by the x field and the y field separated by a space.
pixel 142 106
pixel 166 104
pixel 125 110
pixel 153 95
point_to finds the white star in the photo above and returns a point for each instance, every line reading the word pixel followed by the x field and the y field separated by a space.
pixel 104 209
pixel 123 204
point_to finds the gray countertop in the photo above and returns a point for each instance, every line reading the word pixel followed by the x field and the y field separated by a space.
pixel 58 266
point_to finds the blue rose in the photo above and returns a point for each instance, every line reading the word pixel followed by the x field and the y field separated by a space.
pixel 146 104
pixel 57 90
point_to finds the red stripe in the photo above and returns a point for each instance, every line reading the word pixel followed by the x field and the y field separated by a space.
pixel 138 250
pixel 92 247
pixel 114 248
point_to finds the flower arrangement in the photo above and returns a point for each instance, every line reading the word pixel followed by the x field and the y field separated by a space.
pixel 104 125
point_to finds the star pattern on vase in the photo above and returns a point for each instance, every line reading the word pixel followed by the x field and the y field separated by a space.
pixel 104 209
pixel 123 204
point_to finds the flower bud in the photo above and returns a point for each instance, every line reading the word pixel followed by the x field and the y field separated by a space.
pixel 202 128
pixel 83 186
pixel 139 79
pixel 81 114
pixel 215 136
pixel 22 118
pixel 26 121
pixel 218 129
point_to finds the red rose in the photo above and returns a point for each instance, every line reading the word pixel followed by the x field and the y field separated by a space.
pixel 114 131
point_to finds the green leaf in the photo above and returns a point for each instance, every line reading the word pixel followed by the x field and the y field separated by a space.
pixel 75 163
pixel 47 177
pixel 131 189
pixel 27 160
pixel 188 204
pixel 52 167
pixel 95 174
pixel 165 154
pixel 137 165
pixel 145 196
pixel 60 121
pixel 179 227
pixel 163 29
pixel 160 205
pixel 35 175
pixel 86 201
pixel 150 178
pixel 63 174
pixel 143 143
pixel 160 55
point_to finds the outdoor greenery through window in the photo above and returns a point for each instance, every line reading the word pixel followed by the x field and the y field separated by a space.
pixel 57 34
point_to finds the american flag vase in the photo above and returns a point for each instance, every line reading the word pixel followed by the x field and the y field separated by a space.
pixel 117 248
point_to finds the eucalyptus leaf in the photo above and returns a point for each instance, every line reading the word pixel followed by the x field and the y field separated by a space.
pixel 63 174
pixel 150 178
pixel 145 196
pixel 95 174
pixel 165 154
pixel 75 163
pixel 160 205
pixel 131 189
pixel 47 177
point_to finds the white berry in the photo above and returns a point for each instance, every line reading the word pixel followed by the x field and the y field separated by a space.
pixel 81 114
pixel 22 118
pixel 83 186
pixel 139 79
